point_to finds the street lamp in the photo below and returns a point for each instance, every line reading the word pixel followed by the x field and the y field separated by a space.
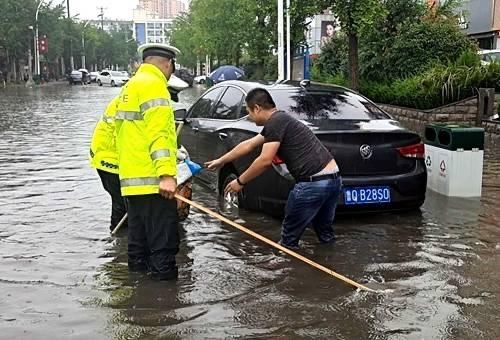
pixel 83 43
pixel 37 52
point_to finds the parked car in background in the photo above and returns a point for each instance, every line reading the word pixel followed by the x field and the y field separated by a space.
pixel 185 75
pixel 75 77
pixel 112 78
pixel 489 56
pixel 93 76
pixel 382 163
pixel 200 79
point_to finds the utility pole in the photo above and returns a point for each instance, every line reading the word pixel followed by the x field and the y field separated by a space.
pixel 30 60
pixel 288 43
pixel 71 60
pixel 83 44
pixel 101 15
pixel 37 52
pixel 281 42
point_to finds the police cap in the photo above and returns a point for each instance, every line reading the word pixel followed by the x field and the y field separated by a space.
pixel 157 49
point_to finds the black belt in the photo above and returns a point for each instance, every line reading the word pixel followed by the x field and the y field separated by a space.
pixel 319 178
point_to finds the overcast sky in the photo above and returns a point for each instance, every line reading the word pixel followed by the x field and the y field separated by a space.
pixel 113 9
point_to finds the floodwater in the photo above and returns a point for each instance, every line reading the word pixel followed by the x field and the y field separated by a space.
pixel 62 275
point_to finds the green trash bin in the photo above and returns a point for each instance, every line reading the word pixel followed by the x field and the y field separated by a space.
pixel 454 136
pixel 454 159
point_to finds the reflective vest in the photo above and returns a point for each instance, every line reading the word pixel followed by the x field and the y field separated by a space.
pixel 145 132
pixel 103 155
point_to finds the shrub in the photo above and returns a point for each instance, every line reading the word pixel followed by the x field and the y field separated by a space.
pixel 440 85
pixel 334 57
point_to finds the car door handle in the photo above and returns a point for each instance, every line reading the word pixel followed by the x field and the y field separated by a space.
pixel 222 135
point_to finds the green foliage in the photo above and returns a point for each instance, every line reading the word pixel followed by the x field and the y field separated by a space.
pixel 333 57
pixel 63 34
pixel 412 56
pixel 440 85
pixel 409 39
pixel 232 32
pixel 182 36
pixel 420 45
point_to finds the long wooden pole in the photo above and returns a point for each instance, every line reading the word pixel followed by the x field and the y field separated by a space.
pixel 273 244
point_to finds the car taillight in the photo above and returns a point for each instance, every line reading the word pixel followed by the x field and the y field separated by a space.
pixel 413 151
pixel 277 160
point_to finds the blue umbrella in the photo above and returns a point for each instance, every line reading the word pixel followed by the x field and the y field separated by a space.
pixel 227 72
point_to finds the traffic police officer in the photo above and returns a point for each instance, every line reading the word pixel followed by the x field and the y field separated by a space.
pixel 104 158
pixel 147 148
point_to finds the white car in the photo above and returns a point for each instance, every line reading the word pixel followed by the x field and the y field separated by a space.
pixel 112 78
pixel 489 56
pixel 200 79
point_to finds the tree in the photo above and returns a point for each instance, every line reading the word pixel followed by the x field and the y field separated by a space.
pixel 17 39
pixel 353 16
pixel 229 30
pixel 182 36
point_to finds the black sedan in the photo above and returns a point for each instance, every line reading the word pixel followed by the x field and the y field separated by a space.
pixel 382 164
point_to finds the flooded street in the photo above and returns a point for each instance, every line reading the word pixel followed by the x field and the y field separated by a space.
pixel 63 276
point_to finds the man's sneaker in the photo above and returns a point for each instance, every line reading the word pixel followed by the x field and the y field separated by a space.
pixel 291 247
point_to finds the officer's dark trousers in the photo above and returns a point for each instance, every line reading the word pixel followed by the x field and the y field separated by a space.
pixel 153 238
pixel 111 183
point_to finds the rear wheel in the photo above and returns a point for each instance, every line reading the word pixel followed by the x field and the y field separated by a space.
pixel 113 83
pixel 99 82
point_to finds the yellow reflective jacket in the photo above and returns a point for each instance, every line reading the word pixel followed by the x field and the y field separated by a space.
pixel 103 153
pixel 145 132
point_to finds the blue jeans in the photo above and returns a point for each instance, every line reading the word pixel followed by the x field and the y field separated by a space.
pixel 311 203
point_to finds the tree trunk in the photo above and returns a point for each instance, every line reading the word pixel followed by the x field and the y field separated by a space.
pixel 13 68
pixel 353 61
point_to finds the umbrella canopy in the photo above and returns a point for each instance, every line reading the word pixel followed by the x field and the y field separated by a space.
pixel 227 72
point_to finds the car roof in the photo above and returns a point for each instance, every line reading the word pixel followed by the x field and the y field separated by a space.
pixel 488 51
pixel 282 85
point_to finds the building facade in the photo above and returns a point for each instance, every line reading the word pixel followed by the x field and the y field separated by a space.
pixel 109 25
pixel 480 19
pixel 163 9
pixel 152 30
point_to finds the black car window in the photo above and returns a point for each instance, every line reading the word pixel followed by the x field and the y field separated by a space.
pixel 229 105
pixel 203 107
pixel 104 74
pixel 324 104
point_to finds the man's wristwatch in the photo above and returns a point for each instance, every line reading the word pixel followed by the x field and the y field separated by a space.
pixel 239 182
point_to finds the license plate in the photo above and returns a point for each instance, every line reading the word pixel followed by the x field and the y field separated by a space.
pixel 367 195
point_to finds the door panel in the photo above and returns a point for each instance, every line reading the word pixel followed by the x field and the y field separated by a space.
pixel 194 134
pixel 225 112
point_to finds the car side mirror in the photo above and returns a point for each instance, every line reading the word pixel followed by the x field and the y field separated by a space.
pixel 180 114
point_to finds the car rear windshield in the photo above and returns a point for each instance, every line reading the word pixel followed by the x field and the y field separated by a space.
pixel 335 104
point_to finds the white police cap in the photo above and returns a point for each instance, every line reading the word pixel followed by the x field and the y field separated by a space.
pixel 157 49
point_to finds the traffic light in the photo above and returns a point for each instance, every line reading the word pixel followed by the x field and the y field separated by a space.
pixel 43 45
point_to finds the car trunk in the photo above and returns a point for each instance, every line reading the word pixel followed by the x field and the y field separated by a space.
pixel 385 159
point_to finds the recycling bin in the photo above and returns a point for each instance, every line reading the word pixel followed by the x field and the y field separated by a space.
pixel 454 159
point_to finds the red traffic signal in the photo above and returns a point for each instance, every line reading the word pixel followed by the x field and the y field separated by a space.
pixel 43 45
